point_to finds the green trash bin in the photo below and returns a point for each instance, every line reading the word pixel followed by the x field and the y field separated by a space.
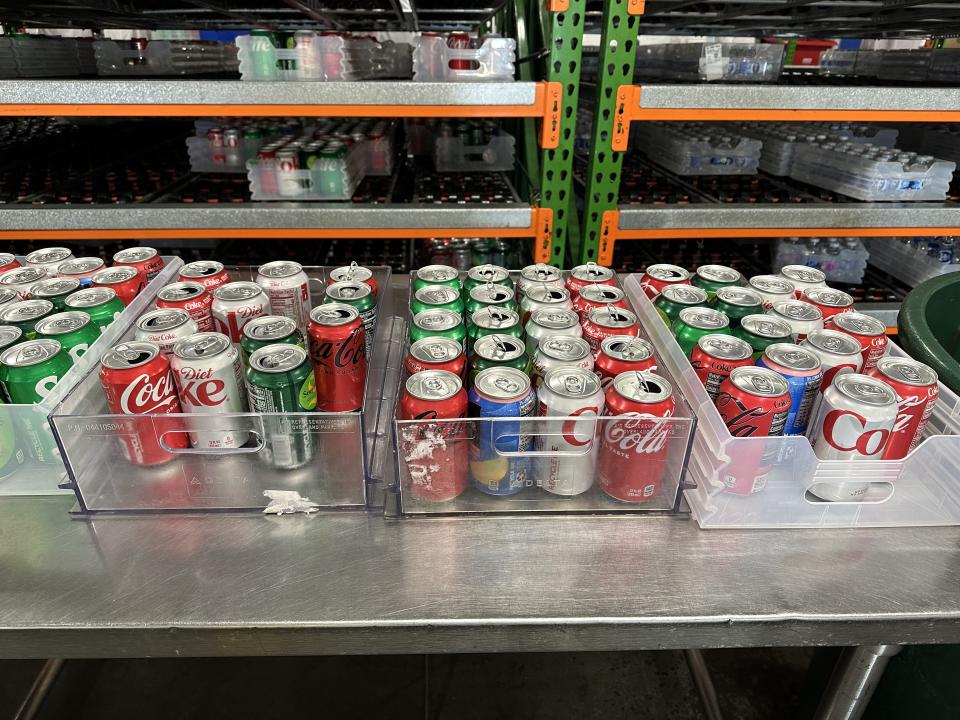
pixel 929 326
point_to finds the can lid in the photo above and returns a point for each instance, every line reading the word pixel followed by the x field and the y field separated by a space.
pixel 907 371
pixel 572 382
pixel 601 294
pixel 63 323
pixel 279 269
pixel 684 294
pixel 201 269
pixel 440 319
pixel 564 347
pixel 725 347
pixel 435 349
pixel 48 256
pixel 501 348
pixel 7 258
pixel 239 290
pixel 351 272
pixel 493 317
pixel 803 274
pixel 270 327
pixel 114 275
pixel 52 287
pixel 792 357
pixel 80 266
pixel 348 290
pixel 759 381
pixel 22 276
pixel 718 273
pixel 31 352
pixel 9 334
pixel 502 383
pixel 437 273
pixel 796 310
pixel 703 318
pixel 175 292
pixel 772 284
pixel 555 319
pixel 278 358
pixel 488 293
pixel 592 273
pixel 548 294
pixel 436 294
pixel 540 272
pixel 833 342
pixel 135 254
pixel 667 273
pixel 129 355
pixel 202 345
pixel 627 349
pixel 488 273
pixel 642 387
pixel 865 389
pixel 828 296
pixel 334 314
pixel 765 326
pixel 435 385
pixel 8 294
pixel 90 297
pixel 162 319
pixel 859 324
pixel 25 310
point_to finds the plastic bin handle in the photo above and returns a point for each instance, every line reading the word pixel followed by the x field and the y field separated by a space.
pixel 584 449
pixel 245 450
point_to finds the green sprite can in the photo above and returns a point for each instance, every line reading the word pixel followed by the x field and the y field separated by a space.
pixel 359 296
pixel 436 297
pixel 491 295
pixel 498 351
pixel 693 323
pixel 438 323
pixel 713 277
pixel 485 274
pixel 10 335
pixel 493 321
pixel 268 330
pixel 56 290
pixel 737 302
pixel 100 303
pixel 762 331
pixel 74 330
pixel 674 298
pixel 280 384
pixel 25 315
pixel 436 275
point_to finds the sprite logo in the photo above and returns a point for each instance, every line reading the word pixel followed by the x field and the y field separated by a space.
pixel 308 393
pixel 45 385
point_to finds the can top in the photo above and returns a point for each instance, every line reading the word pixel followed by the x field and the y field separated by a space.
pixel 803 275
pixel 435 349
pixel 642 387
pixel 270 327
pixel 684 294
pixel 554 319
pixel 487 293
pixel 859 324
pixel 828 297
pixel 201 269
pixel 718 273
pixel 435 294
pixel 348 290
pixel 765 326
pixel 547 294
pixel 333 314
pixel 175 292
pixel 49 256
pixel 202 345
pixel 351 272
pixel 772 284
pixel 601 294
pixel 865 389
pixel 90 297
pixel 667 273
pixel 492 317
pixel 54 287
pixel 907 371
pixel 791 357
pixel 9 294
pixel 796 310
pixel 703 318
pixel 9 334
pixel 759 381
pixel 80 266
pixel 278 358
pixel 23 276
pixel 502 384
pixel 608 316
pixel 564 347
pixel 592 273
pixel 63 323
pixel 833 342
pixel 7 258
pixel 488 273
pixel 25 310
pixel 238 290
pixel 572 382
pixel 129 355
pixel 135 255
pixel 501 348
pixel 162 319
pixel 437 273
pixel 433 385
pixel 279 269
pixel 627 349
pixel 114 275
pixel 725 347
pixel 31 352
pixel 739 296
pixel 540 272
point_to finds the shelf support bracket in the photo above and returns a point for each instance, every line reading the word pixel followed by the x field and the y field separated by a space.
pixel 543 227
pixel 550 128
pixel 628 102
pixel 609 228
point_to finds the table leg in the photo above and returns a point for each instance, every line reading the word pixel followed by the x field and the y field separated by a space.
pixel 854 679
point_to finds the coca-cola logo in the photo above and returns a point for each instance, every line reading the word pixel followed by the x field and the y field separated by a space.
pixel 569 429
pixel 146 395
pixel 879 341
pixel 910 408
pixel 641 434
pixel 740 420
pixel 343 354
pixel 202 393
pixel 831 373
pixel 846 431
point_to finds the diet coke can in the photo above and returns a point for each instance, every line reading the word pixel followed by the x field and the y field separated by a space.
pixel 604 322
pixel 803 318
pixel 866 330
pixel 574 394
pixel 49 259
pixel 192 297
pixel 715 357
pixel 288 289
pixel 623 354
pixel 136 380
pixel 838 353
pixel 917 391
pixel 657 277
pixel 164 327
pixel 828 301
pixel 22 279
pixel 803 278
pixel 209 377
pixel 590 274
pixel 634 448
pixel 772 288
pixel 8 261
pixel 83 269
pixel 543 297
pixel 337 351
pixel 126 281
pixel 560 351
pixel 235 304
pixel 146 260
pixel 539 274
pixel 436 353
pixel 208 273
pixel 598 296
pixel 545 323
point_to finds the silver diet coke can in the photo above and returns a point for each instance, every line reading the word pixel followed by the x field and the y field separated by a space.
pixel 838 353
pixel 803 318
pixel 539 274
pixel 22 279
pixel 803 278
pixel 545 323
pixel 49 259
pixel 558 351
pixel 543 297
pixel 288 288
pixel 235 304
pixel 165 327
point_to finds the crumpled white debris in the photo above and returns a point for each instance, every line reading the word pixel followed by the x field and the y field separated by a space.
pixel 283 502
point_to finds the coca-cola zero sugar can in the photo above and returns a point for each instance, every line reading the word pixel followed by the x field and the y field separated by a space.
pixel 8 261
pixel 868 331
pixel 164 327
pixel 622 354
pixel 715 357
pixel 436 353
pixel 288 288
pixel 146 260
pixel 126 281
pixel 598 296
pixel 209 273
pixel 828 301
pixel 192 297
pixel 604 322
pixel 917 391
pixel 337 350
pixel 235 304
pixel 657 277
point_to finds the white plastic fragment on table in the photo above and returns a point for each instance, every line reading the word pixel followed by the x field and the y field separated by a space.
pixel 285 502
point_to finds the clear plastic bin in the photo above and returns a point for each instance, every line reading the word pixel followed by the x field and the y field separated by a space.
pixel 43 476
pixel 922 489
pixel 32 56
pixel 699 149
pixel 327 180
pixel 838 62
pixel 450 154
pixel 164 57
pixel 435 61
pixel 842 260
pixel 233 160
pixel 706 62
pixel 235 479
pixel 905 65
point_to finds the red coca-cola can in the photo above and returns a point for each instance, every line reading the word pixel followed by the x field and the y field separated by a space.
pixel 598 296
pixel 126 281
pixel 657 277
pixel 753 402
pixel 715 356
pixel 136 380
pixel 192 297
pixel 436 353
pixel 633 452
pixel 621 354
pixel 145 259
pixel 590 274
pixel 215 138
pixel 435 455
pixel 338 352
pixel 866 330
pixel 209 273
pixel 917 391
pixel 830 302
pixel 459 41
pixel 606 322
pixel 8 261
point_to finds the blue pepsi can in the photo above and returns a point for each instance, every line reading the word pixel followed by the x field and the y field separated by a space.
pixel 501 392
pixel 801 369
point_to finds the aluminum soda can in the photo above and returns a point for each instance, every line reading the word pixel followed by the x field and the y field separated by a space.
pixel 9 295
pixel 803 278
pixel 803 318
pixel 713 277
pixel 436 275
pixel 801 369
pixel 538 274
pixel 25 315
pixel 360 296
pixel 436 353
pixel 438 323
pixel 546 323
pixel 543 297
pixel 582 276
pixel 693 323
pixel 49 259
pixel 353 273
pixel 74 330
pixel 235 304
pixel 191 297
pixel 838 353
pixel 10 335
pixel 436 297
pixel 288 289
pixel 8 261
pixel 608 322
pixel 487 275
pixel 209 273
pixel 489 295
pixel 573 393
pixel 828 301
pixel 736 303
pixel 22 279
pixel 762 331
pixel 675 298
pixel 917 391
pixel 557 351
pixel 126 281
pixel 715 357
pixel 209 377
pixel 498 351
pixel 83 269
pixel 268 330
pixel 657 277
pixel 164 327
pixel 623 354
pixel 595 296
pixel 492 321
pixel 100 303
pixel 772 288
pixel 866 330
pixel 146 260
pixel 56 290
pixel 337 350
